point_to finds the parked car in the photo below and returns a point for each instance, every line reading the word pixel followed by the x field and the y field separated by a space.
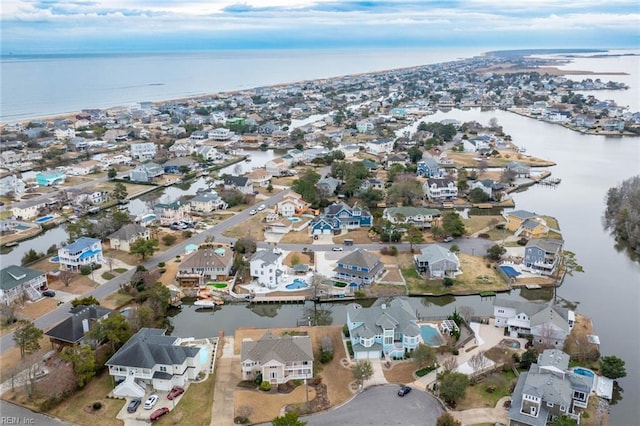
pixel 337 249
pixel 133 405
pixel 404 390
pixel 159 413
pixel 261 207
pixel 252 212
pixel 49 293
pixel 448 239
pixel 176 391
pixel 150 402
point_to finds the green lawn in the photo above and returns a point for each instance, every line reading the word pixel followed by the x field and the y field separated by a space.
pixel 487 392
pixel 194 407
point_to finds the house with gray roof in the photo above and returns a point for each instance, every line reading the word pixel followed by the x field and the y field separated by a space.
pixel 150 358
pixel 17 281
pixel 437 261
pixel 145 172
pixel 358 268
pixel 205 264
pixel 266 267
pixel 542 255
pixel 548 390
pixel 549 325
pixel 126 235
pixel 519 169
pixel 277 359
pixel 382 329
pixel 73 330
pixel 418 216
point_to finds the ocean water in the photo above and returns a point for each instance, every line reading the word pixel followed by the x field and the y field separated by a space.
pixel 44 85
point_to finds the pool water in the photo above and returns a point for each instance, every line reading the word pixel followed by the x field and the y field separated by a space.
pixel 296 284
pixel 509 271
pixel 430 335
pixel 293 219
pixel 21 227
pixel 44 219
pixel 583 372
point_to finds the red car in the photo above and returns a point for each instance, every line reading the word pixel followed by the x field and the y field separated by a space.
pixel 175 392
pixel 159 413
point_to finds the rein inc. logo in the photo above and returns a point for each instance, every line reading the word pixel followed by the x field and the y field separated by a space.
pixel 16 420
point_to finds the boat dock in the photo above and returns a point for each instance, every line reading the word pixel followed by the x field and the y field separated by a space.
pixel 550 182
pixel 278 299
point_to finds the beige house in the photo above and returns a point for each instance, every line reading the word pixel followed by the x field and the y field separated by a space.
pixel 291 205
pixel 203 265
pixel 178 211
pixel 125 236
pixel 278 359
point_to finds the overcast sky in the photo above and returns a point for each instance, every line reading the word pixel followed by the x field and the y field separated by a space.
pixel 36 26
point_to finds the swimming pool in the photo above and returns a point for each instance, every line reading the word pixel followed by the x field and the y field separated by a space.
pixel 21 227
pixel 296 284
pixel 44 219
pixel 583 372
pixel 509 271
pixel 54 259
pixel 430 335
pixel 294 219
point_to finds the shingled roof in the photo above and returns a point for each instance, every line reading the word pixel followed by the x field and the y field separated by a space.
pixel 71 329
pixel 284 349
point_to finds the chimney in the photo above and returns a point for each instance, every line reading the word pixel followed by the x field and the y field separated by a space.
pixel 85 325
pixel 383 306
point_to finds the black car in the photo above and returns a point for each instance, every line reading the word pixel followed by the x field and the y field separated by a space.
pixel 404 390
pixel 49 293
pixel 133 405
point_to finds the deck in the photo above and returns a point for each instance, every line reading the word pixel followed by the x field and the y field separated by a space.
pixel 279 299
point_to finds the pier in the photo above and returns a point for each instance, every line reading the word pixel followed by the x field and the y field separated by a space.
pixel 278 299
pixel 550 182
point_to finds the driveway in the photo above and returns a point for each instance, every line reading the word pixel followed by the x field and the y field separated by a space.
pixel 227 378
pixel 381 405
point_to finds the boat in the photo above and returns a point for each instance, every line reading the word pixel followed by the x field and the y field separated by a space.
pixel 204 303
pixel 207 299
pixel 533 286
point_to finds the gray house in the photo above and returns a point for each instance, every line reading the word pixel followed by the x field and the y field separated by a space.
pixel 72 331
pixel 436 261
pixel 520 170
pixel 145 172
pixel 542 255
pixel 357 268
pixel 16 281
pixel 125 236
pixel 277 359
pixel 548 390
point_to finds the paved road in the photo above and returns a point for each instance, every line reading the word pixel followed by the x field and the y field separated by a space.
pixel 11 414
pixel 381 405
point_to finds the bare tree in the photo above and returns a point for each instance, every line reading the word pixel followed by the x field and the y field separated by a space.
pixel 66 277
pixel 546 337
pixel 478 362
pixel 450 363
pixel 109 261
pixel 244 411
pixel 8 311
pixel 31 373
pixel 466 312
pixel 60 381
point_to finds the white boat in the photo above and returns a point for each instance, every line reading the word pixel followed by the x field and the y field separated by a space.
pixel 205 303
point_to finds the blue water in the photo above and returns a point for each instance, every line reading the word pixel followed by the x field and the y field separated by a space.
pixel 44 219
pixel 294 219
pixel 430 335
pixel 54 259
pixel 509 271
pixel 204 356
pixel 296 284
pixel 583 372
pixel 21 227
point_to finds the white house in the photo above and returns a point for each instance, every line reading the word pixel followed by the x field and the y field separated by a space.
pixel 440 189
pixel 83 251
pixel 379 146
pixel 149 358
pixel 220 134
pixel 266 267
pixel 364 126
pixel 16 281
pixel 207 202
pixel 11 184
pixel 143 151
pixel 277 359
pixel 291 204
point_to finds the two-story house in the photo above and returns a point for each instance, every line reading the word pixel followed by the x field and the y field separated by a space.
pixel 436 261
pixel 203 265
pixel 12 185
pixel 149 358
pixel 549 390
pixel 143 151
pixel 207 202
pixel 73 330
pixel 50 178
pixel 277 359
pixel 358 268
pixel 379 146
pixel 266 267
pixel 340 217
pixel 542 256
pixel 421 217
pixel 519 169
pixel 178 211
pixel 239 183
pixel 383 329
pixel 291 205
pixel 145 172
pixel 83 251
pixel 18 281
pixel 549 325
pixel 429 168
pixel 127 235
pixel 440 189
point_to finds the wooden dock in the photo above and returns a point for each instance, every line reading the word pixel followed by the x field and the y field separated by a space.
pixel 278 299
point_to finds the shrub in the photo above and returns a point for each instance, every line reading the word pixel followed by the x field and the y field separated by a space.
pixel 97 266
pixel 455 351
pixel 265 386
pixel 241 420
pixel 108 276
pixel 522 241
pixel 161 264
pixel 169 239
pixel 258 379
pixel 447 282
pixel 483 235
pixel 96 405
pixel 85 269
pixel 326 357
pixel 345 330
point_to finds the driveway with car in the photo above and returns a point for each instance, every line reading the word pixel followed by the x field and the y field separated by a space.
pixel 381 405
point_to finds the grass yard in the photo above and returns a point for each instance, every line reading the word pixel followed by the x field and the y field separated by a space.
pixel 253 227
pixel 359 236
pixel 297 237
pixel 116 300
pixel 196 400
pixel 487 392
pixel 552 222
pixel 401 372
pixel 477 223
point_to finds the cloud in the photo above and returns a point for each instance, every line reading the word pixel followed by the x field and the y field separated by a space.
pixel 30 23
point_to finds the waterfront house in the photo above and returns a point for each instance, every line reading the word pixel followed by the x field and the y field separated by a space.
pixel 266 267
pixel 208 153
pixel 260 177
pixel 81 197
pixel 12 185
pixel 174 165
pixel 277 359
pixel 437 262
pixel 17 282
pixel 143 151
pixel 145 172
pixel 429 168
pixel 383 329
pixel 278 166
pixel 84 168
pixel 613 125
pixel 518 169
pixel 28 209
pixel 358 268
pixel 203 265
pixel 150 358
pixel 221 134
pixel 542 256
pixel 421 217
pixel 516 218
pixel 549 325
pixel 50 178
pixel 549 390
pixel 341 218
pixel 81 252
pixel 238 183
pixel 207 202
pixel 73 330
pixel 178 211
pixel 440 189
pixel 493 189
pixel 127 235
